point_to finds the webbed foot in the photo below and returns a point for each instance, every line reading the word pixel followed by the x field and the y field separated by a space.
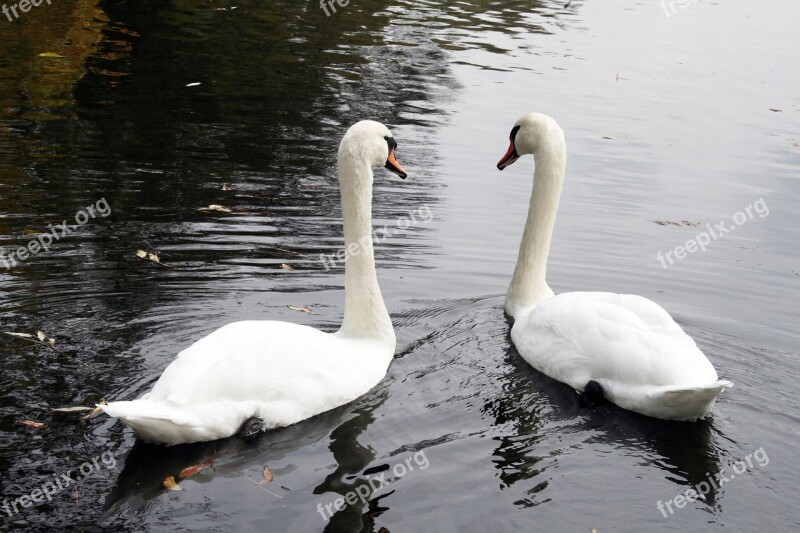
pixel 592 394
pixel 251 429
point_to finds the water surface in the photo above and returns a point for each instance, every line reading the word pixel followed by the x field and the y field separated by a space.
pixel 688 117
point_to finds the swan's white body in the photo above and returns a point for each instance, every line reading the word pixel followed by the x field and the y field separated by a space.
pixel 281 372
pixel 629 345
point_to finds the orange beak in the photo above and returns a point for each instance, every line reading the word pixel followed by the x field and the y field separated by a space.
pixel 393 165
pixel 510 158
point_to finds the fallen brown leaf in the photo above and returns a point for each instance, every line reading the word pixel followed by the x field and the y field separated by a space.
pixel 40 338
pixel 171 484
pixel 268 474
pixel 305 310
pixel 96 411
pixel 31 423
pixel 286 267
pixel 150 256
pixel 192 470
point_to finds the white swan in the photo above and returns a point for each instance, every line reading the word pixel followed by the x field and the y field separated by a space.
pixel 622 347
pixel 277 373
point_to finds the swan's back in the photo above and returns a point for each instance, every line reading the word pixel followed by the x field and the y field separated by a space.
pixel 276 371
pixel 628 344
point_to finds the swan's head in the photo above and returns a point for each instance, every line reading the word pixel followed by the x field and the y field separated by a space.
pixel 372 141
pixel 529 133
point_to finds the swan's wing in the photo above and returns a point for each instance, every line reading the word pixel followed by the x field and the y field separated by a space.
pixel 575 337
pixel 268 362
pixel 279 372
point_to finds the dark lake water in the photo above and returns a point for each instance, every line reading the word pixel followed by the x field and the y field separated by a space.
pixel 672 116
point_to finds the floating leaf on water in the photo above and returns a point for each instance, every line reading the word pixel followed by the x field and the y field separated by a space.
pixel 150 256
pixel 215 208
pixel 49 54
pixel 96 411
pixel 192 470
pixel 305 310
pixel 193 84
pixel 226 187
pixel 286 267
pixel 31 423
pixel 39 338
pixel 19 335
pixel 673 223
pixel 171 484
pixel 75 409
pixel 268 474
pixel 776 110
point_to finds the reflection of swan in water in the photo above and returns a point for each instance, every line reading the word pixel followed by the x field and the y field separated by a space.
pixel 685 451
pixel 529 433
pixel 147 465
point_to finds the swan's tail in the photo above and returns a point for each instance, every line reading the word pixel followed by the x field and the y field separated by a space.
pixel 158 422
pixel 673 402
pixel 688 403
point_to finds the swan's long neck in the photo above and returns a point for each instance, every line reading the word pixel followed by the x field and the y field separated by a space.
pixel 365 314
pixel 528 286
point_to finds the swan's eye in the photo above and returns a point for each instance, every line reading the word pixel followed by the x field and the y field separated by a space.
pixel 513 134
pixel 391 142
